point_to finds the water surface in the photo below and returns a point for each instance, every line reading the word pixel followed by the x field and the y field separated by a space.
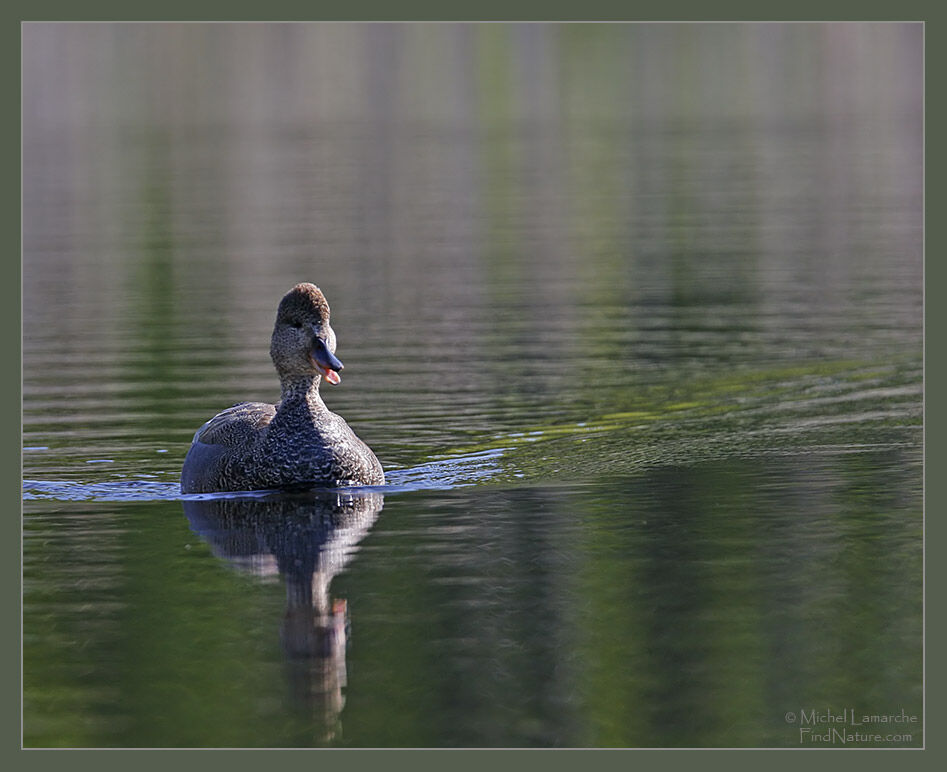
pixel 631 314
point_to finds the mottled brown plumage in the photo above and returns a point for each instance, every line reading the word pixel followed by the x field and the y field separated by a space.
pixel 297 443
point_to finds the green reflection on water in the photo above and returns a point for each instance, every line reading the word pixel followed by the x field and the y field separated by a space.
pixel 672 273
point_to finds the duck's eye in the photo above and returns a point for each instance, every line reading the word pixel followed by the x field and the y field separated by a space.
pixel 298 325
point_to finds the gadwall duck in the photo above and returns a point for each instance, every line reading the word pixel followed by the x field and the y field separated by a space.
pixel 298 442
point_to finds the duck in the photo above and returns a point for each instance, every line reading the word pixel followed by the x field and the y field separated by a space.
pixel 298 443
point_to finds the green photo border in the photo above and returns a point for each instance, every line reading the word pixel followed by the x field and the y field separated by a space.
pixel 488 10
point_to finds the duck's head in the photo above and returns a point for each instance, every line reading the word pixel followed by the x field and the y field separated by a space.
pixel 303 343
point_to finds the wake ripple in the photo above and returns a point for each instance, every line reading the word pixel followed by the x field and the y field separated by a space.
pixel 444 474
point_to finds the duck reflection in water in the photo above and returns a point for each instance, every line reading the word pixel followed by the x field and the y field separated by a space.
pixel 307 539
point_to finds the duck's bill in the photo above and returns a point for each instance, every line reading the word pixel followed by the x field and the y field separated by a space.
pixel 327 362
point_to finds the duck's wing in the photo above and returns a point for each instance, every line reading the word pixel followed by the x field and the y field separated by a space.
pixel 224 439
pixel 236 425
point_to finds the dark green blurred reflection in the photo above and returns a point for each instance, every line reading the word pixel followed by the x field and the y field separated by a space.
pixel 632 315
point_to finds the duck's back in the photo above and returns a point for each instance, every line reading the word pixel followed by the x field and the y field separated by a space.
pixel 242 449
pixel 228 436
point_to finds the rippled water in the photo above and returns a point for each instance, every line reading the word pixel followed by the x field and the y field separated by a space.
pixel 631 314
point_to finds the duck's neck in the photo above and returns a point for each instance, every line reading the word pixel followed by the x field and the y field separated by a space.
pixel 301 392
